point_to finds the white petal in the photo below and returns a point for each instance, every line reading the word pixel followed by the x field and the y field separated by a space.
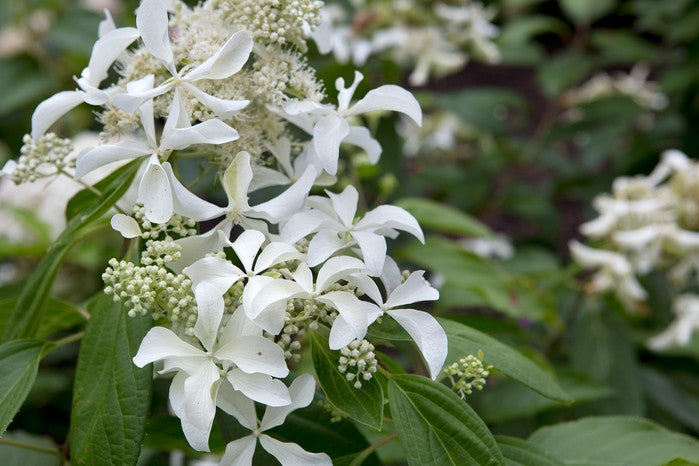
pixel 273 254
pixel 197 246
pixel 132 101
pixel 282 152
pixel 427 334
pixel 255 355
pixel 291 454
pixel 390 216
pixel 227 61
pixel 221 107
pixel 106 50
pixel 214 271
pixel 246 247
pixel 200 395
pixel 102 155
pixel 336 268
pixel 264 177
pixel 152 23
pixel 187 204
pixel 353 310
pixel 239 452
pixel 328 133
pixel 301 225
pixel 345 94
pixel 126 225
pixel 9 168
pixel 106 25
pixel 197 437
pixel 53 108
pixel 238 325
pixel 212 131
pixel 341 333
pixel 290 200
pixel 160 343
pixel 361 137
pixel 345 204
pixel 260 387
pixel 209 314
pixel 389 97
pixel 324 244
pixel 367 285
pixel 272 293
pixel 373 249
pixel 413 290
pixel 304 277
pixel 301 391
pixel 145 111
pixel 237 405
pixel 236 180
pixel 391 275
pixel 155 193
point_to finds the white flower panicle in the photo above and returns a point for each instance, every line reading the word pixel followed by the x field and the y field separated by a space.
pixel 227 83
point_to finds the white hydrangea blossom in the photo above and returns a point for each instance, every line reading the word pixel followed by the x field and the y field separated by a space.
pixel 229 80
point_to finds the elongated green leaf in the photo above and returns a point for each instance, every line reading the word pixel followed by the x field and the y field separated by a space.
pixel 671 397
pixel 60 315
pixel 17 456
pixel 436 427
pixel 519 452
pixel 443 218
pixel 19 360
pixel 464 340
pixel 364 405
pixel 615 440
pixel 86 198
pixel 111 395
pixel 28 312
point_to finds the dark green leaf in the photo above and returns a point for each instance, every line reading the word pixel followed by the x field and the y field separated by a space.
pixel 586 11
pixel 519 452
pixel 13 455
pixel 111 395
pixel 443 218
pixel 665 393
pixel 19 360
pixel 436 427
pixel 364 405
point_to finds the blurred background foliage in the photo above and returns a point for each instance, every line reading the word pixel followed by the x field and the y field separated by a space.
pixel 529 155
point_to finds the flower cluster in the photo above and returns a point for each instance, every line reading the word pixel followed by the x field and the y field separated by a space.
pixel 438 38
pixel 229 83
pixel 468 374
pixel 648 223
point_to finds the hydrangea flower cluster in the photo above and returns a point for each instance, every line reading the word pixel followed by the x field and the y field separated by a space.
pixel 437 37
pixel 649 223
pixel 230 84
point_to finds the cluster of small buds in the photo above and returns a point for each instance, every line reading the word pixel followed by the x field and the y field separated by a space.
pixel 468 374
pixel 289 341
pixel 358 362
pixel 335 414
pixel 49 152
pixel 151 288
pixel 310 312
pixel 177 225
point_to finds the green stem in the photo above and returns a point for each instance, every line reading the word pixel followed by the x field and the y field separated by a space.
pixel 373 447
pixel 64 341
pixel 29 446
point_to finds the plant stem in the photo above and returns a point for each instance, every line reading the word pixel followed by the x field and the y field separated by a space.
pixel 68 340
pixel 29 446
pixel 371 448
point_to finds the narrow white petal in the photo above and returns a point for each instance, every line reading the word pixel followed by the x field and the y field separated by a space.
pixel 345 204
pixel 209 132
pixel 209 314
pixel 152 23
pixel 126 225
pixel 106 50
pixel 427 334
pixel 391 275
pixel 200 391
pixel 246 247
pixel 237 405
pixel 187 204
pixel 260 387
pixel 274 292
pixel 236 181
pixel 273 254
pixel 132 101
pixel 282 152
pixel 353 310
pixel 324 244
pixel 345 94
pixel 215 271
pixel 341 333
pixel 197 437
pixel 414 290
pixel 264 177
pixel 53 108
pixel 197 246
pixel 389 97
pixel 239 452
pixel 337 268
pixel 227 61
pixel 102 155
pixel 304 277
pixel 328 133
pixel 221 107
pixel 160 343
pixel 238 326
pixel 373 249
pixel 155 193
pixel 291 454
pixel 254 354
pixel 390 216
pixel 145 111
pixel 361 137
pixel 289 201
pixel 367 285
pixel 106 25
pixel 301 225
pixel 301 391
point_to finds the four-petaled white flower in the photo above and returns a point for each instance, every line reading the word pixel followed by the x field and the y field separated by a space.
pixel 240 452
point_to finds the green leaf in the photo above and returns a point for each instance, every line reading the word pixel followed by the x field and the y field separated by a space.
pixel 436 216
pixel 670 397
pixel 15 455
pixel 19 360
pixel 364 405
pixel 60 315
pixel 521 30
pixel 586 11
pixel 84 199
pixel 519 452
pixel 615 440
pixel 111 395
pixel 436 427
pixel 29 309
pixel 464 340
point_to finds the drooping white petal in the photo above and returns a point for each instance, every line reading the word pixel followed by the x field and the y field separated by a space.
pixel 390 216
pixel 345 204
pixel 273 254
pixel 131 101
pixel 260 387
pixel 221 107
pixel 389 97
pixel 373 249
pixel 353 310
pixel 200 395
pixel 198 438
pixel 197 246
pixel 336 268
pixel 413 290
pixel 236 180
pixel 102 155
pixel 270 294
pixel 291 454
pixel 254 354
pixel 324 244
pixel 155 193
pixel 152 23
pixel 215 271
pixel 281 151
pixel 427 334
pixel 145 111
pixel 227 60
pixel 53 108
pixel 361 137
pixel 160 343
pixel 328 133
pixel 289 201
pixel 187 204
pixel 301 225
pixel 237 405
pixel 301 391
pixel 391 275
pixel 341 333
pixel 304 277
pixel 209 313
pixel 367 285
pixel 126 225
pixel 106 50
pixel 246 247
pixel 264 177
pixel 239 452
pixel 212 131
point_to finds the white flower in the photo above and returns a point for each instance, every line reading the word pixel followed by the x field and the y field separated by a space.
pixel 329 124
pixel 105 51
pixel 680 331
pixel 240 452
pixel 152 22
pixel 335 228
pixel 239 356
pixel 159 190
pixel 422 327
